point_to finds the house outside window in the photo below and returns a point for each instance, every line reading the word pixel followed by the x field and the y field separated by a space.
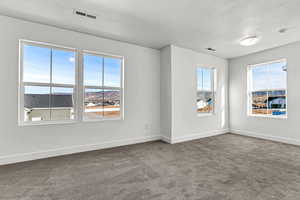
pixel 205 90
pixel 51 78
pixel 267 89
pixel 102 86
pixel 47 83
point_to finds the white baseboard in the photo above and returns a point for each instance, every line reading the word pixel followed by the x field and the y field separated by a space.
pixel 73 149
pixel 198 136
pixel 266 137
pixel 16 158
pixel 166 139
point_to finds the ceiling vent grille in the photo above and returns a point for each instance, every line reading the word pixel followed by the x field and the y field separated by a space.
pixel 84 14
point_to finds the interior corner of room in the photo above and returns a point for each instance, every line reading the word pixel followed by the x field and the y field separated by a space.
pixel 158 95
pixel 102 75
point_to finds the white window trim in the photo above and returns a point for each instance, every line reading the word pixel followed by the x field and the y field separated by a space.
pixel 21 84
pixel 214 87
pixel 249 95
pixel 121 88
pixel 78 92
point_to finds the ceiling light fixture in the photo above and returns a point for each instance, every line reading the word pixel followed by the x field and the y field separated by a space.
pixel 249 40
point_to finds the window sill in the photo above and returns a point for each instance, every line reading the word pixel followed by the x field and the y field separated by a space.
pixel 268 116
pixel 205 114
pixel 103 119
pixel 38 123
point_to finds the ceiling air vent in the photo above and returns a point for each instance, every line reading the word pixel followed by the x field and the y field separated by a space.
pixel 84 14
pixel 211 49
pixel 91 16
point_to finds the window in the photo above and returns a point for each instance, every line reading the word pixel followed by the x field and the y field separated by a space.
pixel 205 90
pixel 47 83
pixel 102 86
pixel 267 89
pixel 49 78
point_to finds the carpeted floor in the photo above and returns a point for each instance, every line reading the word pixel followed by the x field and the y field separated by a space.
pixel 226 167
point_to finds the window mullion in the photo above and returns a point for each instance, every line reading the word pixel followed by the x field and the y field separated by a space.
pixel 80 90
pixel 50 95
pixel 62 85
pixel 103 86
pixel 202 86
pixel 212 88
pixel 250 98
pixel 48 84
pixel 268 88
pixel 36 84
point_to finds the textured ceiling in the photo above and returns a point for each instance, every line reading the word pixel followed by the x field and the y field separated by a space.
pixel 193 24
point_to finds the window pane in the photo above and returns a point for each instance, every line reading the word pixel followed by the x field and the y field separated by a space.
pixel 112 100
pixel 268 89
pixel 277 76
pixel 207 79
pixel 93 104
pixel 259 103
pixel 93 67
pixel 63 67
pixel 277 102
pixel 62 102
pixel 199 78
pixel 204 102
pixel 36 103
pixel 36 64
pixel 205 93
pixel 260 78
pixel 112 72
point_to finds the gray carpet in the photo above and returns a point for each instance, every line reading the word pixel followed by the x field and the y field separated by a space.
pixel 216 168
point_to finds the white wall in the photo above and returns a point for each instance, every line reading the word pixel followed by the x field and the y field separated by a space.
pixel 285 130
pixel 185 123
pixel 142 96
pixel 165 93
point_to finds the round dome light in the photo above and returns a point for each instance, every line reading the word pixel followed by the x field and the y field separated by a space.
pixel 249 41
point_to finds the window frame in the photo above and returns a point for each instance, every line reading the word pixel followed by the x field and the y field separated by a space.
pixel 78 87
pixel 104 55
pixel 22 84
pixel 214 90
pixel 249 92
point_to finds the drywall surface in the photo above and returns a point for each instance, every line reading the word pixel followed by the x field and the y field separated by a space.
pixel 166 92
pixel 186 122
pixel 286 130
pixel 142 95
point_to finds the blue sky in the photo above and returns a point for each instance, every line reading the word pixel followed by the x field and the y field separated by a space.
pixel 36 63
pixel 93 71
pixel 204 79
pixel 265 77
pixel 269 76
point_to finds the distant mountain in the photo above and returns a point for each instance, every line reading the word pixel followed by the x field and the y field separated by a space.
pixel 106 97
pixel 207 95
pixel 273 93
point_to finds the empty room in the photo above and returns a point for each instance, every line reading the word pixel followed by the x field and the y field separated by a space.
pixel 149 100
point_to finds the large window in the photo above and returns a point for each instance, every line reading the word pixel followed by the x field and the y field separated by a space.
pixel 205 90
pixel 267 89
pixel 102 86
pixel 47 83
pixel 50 76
